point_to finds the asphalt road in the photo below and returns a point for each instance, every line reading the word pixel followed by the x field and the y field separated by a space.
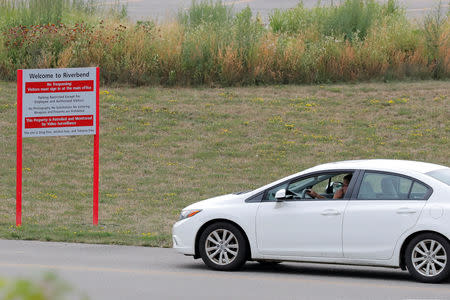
pixel 160 10
pixel 121 272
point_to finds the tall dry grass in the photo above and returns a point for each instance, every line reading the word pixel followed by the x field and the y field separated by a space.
pixel 209 44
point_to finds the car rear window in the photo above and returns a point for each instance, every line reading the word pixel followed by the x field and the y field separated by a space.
pixel 441 175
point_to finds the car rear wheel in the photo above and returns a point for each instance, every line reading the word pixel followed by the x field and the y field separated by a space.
pixel 222 247
pixel 427 258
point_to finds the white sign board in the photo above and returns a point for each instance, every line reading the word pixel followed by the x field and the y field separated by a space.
pixel 58 102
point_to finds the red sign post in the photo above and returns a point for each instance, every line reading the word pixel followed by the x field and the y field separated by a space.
pixel 19 150
pixel 57 102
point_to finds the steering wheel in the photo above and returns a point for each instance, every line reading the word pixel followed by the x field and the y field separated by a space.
pixel 337 185
pixel 304 195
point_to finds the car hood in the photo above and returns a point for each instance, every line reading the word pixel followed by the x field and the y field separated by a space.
pixel 217 201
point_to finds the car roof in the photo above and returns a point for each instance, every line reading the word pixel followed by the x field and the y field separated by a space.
pixel 381 164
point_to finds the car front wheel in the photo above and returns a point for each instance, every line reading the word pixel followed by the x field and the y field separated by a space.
pixel 222 247
pixel 427 258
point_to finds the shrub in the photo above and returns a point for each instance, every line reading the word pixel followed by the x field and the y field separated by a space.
pixel 39 12
pixel 211 44
pixel 239 56
pixel 353 18
pixel 37 46
pixel 169 40
pixel 199 54
pixel 247 32
pixel 265 67
pixel 125 53
pixel 5 66
pixel 218 44
pixel 296 20
pixel 15 13
pixel 213 13
pixel 436 33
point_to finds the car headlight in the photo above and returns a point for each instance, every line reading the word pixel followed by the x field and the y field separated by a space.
pixel 189 213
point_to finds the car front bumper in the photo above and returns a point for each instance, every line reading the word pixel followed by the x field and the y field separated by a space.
pixel 183 236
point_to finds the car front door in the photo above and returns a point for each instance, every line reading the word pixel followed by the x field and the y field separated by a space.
pixel 300 226
pixel 385 205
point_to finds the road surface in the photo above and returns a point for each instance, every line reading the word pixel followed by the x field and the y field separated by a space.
pixel 122 272
pixel 161 10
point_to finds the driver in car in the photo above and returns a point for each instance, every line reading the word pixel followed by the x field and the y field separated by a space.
pixel 339 193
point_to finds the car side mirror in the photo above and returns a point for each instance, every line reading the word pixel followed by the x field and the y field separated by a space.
pixel 280 195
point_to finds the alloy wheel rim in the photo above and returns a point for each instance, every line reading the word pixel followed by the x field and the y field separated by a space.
pixel 221 246
pixel 429 258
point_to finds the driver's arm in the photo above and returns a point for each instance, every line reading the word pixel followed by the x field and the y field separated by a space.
pixel 315 195
pixel 339 194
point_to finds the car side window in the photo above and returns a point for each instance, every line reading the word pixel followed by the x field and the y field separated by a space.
pixel 324 185
pixel 419 191
pixel 255 198
pixel 269 196
pixel 293 189
pixel 382 186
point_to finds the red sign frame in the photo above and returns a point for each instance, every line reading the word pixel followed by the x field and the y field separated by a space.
pixel 82 86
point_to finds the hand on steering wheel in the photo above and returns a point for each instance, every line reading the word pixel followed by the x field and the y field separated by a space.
pixel 304 193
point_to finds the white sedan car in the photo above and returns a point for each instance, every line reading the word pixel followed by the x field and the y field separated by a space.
pixel 388 213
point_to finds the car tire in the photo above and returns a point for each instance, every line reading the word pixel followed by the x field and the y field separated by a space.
pixel 427 258
pixel 222 247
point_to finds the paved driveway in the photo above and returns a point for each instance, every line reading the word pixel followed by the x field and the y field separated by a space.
pixel 121 272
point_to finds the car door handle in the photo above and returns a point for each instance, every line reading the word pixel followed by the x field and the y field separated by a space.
pixel 406 211
pixel 330 212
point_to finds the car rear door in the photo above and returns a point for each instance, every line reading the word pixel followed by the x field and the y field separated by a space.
pixel 382 208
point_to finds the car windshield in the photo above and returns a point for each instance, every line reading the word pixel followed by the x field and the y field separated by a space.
pixel 441 175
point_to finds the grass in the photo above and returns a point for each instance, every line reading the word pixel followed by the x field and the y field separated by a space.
pixel 164 148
